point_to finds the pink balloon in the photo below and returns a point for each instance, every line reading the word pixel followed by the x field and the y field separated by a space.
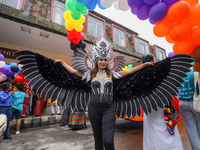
pixel 1 78
pixel 4 77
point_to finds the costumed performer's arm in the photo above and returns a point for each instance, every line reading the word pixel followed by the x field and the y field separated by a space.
pixel 135 69
pixel 69 68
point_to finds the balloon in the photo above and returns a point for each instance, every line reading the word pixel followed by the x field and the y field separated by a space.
pixel 84 12
pixel 130 66
pixel 197 66
pixel 79 28
pixel 162 27
pixel 194 15
pixel 79 6
pixel 123 5
pixel 134 10
pixel 115 4
pixel 20 74
pixel 2 64
pixel 171 54
pixel 168 39
pixel 76 15
pixel 126 68
pixel 13 64
pixel 1 78
pixel 170 2
pixel 99 4
pixel 70 5
pixel 76 41
pixel 178 12
pixel 184 47
pixel 180 31
pixel 19 79
pixel 20 67
pixel 4 77
pixel 151 2
pixel 14 68
pixel 91 4
pixel 5 69
pixel 158 11
pixel 134 3
pixel 191 2
pixel 196 35
pixel 1 57
pixel 152 22
pixel 10 73
pixel 81 1
pixel 196 54
pixel 143 11
pixel 106 3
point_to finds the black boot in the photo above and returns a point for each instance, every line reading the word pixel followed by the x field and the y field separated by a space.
pixel 7 137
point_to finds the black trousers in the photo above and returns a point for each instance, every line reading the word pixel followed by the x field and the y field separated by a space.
pixel 102 117
pixel 66 115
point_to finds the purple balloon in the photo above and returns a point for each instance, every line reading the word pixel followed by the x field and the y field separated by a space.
pixel 4 69
pixel 10 73
pixel 151 2
pixel 171 54
pixel 143 11
pixel 152 22
pixel 158 11
pixel 134 3
pixel 170 2
pixel 134 10
pixel 1 57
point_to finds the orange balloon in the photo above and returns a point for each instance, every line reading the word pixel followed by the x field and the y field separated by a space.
pixel 196 54
pixel 197 66
pixel 178 11
pixel 194 15
pixel 180 31
pixel 191 2
pixel 196 35
pixel 184 47
pixel 168 39
pixel 162 27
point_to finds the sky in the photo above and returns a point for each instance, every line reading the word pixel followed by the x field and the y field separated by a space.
pixel 143 27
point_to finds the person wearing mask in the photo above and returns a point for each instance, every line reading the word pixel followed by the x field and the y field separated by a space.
pixel 6 105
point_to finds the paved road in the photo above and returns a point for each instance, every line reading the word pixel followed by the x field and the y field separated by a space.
pixel 128 136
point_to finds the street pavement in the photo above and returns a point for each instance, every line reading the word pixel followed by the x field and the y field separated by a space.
pixel 128 136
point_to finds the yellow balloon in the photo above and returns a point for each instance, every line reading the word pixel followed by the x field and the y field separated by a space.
pixel 126 68
pixel 68 26
pixel 81 20
pixel 79 27
pixel 67 16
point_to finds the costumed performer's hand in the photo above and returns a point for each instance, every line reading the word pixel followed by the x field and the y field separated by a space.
pixel 58 61
pixel 148 63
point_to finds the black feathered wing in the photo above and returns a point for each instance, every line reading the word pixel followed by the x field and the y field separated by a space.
pixel 151 87
pixel 53 81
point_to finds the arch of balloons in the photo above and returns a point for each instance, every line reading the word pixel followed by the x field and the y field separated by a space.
pixel 12 69
pixel 176 20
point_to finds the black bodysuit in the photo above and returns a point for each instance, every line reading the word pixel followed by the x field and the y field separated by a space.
pixel 102 114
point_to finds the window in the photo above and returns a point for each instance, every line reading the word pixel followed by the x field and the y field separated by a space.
pixel 141 46
pixel 160 53
pixel 17 4
pixel 96 27
pixel 58 10
pixel 119 37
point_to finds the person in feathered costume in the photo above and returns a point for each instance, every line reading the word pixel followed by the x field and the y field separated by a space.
pixel 102 86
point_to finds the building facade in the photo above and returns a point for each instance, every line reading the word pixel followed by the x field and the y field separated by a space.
pixel 38 25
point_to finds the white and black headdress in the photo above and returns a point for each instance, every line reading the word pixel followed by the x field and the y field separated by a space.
pixel 102 49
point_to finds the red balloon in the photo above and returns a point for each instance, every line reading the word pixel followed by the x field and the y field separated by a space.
pixel 20 74
pixel 196 54
pixel 197 66
pixel 70 37
pixel 27 80
pixel 19 79
pixel 76 41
